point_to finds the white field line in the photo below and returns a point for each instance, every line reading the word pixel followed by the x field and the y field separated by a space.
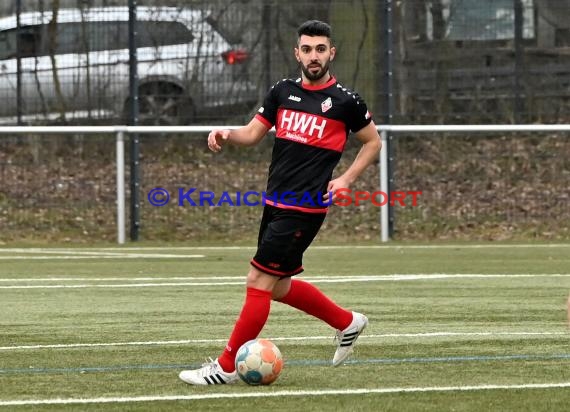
pixel 93 252
pixel 122 279
pixel 278 393
pixel 395 276
pixel 324 279
pixel 86 254
pixel 281 339
pixel 316 247
pixel 103 256
pixel 121 285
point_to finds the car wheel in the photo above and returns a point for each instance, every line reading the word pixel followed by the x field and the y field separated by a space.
pixel 164 104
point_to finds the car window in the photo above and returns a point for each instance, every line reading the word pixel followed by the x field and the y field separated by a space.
pixel 7 44
pixel 115 35
pixel 82 37
pixel 29 42
pixel 162 33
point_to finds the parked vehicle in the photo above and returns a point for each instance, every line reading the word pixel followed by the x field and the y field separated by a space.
pixel 75 66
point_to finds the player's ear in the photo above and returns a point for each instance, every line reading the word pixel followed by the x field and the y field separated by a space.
pixel 333 52
pixel 297 54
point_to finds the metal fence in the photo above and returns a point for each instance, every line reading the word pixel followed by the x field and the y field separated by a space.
pixel 476 182
pixel 487 182
pixel 416 61
pixel 92 62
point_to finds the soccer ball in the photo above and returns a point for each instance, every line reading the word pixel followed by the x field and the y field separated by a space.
pixel 259 362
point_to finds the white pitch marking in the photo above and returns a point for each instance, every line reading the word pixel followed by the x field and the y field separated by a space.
pixel 120 285
pixel 123 279
pixel 317 247
pixel 425 276
pixel 85 253
pixel 70 252
pixel 121 256
pixel 279 339
pixel 37 250
pixel 332 279
pixel 458 246
pixel 278 393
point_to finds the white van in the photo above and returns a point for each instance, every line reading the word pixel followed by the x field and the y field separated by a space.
pixel 75 67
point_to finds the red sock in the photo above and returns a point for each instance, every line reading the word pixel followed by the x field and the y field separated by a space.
pixel 252 318
pixel 311 300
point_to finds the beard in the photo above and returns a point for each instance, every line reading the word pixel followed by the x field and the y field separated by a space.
pixel 315 75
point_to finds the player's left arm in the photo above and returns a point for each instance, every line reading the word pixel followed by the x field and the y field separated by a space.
pixel 371 145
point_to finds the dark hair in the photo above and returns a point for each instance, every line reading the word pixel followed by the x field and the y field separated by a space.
pixel 314 28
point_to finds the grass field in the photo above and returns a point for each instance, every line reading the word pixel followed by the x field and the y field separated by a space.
pixel 458 327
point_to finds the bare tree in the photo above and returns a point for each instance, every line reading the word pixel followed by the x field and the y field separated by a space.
pixel 52 45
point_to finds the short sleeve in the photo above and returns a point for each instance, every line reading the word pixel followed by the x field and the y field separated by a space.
pixel 359 114
pixel 267 113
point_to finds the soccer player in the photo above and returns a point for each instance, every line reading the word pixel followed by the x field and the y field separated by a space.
pixel 313 116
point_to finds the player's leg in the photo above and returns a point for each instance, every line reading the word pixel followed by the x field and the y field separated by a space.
pixel 278 235
pixel 300 294
pixel 349 325
pixel 311 300
pixel 252 318
pixel 261 279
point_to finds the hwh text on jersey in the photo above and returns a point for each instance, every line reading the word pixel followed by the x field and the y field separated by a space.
pixel 298 121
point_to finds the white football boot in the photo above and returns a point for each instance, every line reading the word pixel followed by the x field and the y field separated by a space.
pixel 346 338
pixel 211 373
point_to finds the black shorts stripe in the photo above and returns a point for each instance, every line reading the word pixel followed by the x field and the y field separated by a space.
pixel 275 272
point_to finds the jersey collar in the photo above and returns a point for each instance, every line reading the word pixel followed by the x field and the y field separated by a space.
pixel 307 86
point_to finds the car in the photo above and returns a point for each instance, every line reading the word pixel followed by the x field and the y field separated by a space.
pixel 75 67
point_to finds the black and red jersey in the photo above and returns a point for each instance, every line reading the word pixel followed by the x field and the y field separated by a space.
pixel 312 125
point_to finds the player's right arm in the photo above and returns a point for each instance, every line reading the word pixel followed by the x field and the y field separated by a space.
pixel 248 135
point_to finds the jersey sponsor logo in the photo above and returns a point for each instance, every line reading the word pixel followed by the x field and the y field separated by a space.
pixel 326 105
pixel 294 98
pixel 311 129
pixel 303 122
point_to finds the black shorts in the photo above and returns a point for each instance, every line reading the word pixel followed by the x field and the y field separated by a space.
pixel 284 235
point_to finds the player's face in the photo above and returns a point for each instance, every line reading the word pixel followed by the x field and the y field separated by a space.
pixel 314 54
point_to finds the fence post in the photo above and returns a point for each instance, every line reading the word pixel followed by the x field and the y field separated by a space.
pixel 384 210
pixel 120 187
pixel 267 44
pixel 134 113
pixel 519 60
pixel 389 103
pixel 18 64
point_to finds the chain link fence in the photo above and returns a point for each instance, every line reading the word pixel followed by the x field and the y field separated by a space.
pixel 473 186
pixel 212 62
pixel 487 187
pixel 454 61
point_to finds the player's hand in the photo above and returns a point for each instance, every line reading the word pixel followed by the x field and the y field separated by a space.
pixel 333 187
pixel 217 138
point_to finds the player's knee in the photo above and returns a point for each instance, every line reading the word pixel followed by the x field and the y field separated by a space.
pixel 253 276
pixel 260 280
